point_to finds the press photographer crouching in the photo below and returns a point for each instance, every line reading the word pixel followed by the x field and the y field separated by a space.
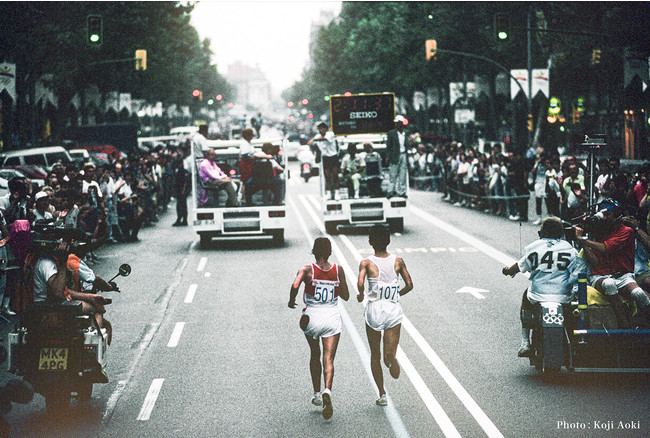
pixel 610 251
pixel 56 271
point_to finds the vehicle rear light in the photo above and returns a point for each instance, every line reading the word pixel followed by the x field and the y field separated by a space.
pixel 332 207
pixel 279 213
pixel 204 216
pixel 90 348
pixel 398 204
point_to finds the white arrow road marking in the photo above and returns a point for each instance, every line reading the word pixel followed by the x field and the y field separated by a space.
pixel 475 292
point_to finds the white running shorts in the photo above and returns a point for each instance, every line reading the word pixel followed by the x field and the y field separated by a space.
pixel 383 314
pixel 324 321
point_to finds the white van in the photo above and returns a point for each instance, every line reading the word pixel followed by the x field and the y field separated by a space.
pixel 43 157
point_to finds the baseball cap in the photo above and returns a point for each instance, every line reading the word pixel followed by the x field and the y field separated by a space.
pixel 40 195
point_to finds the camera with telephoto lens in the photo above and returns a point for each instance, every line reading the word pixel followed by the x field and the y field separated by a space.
pixel 47 237
pixel 593 222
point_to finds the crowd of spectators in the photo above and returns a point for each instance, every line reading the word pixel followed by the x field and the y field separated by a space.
pixel 502 183
pixel 110 202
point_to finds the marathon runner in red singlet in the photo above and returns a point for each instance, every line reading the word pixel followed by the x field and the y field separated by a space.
pixel 383 311
pixel 324 284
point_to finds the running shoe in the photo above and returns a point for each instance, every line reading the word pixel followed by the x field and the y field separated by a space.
pixel 382 401
pixel 328 411
pixel 317 399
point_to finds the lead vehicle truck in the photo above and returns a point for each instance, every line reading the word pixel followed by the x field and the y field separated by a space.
pixel 358 119
pixel 214 219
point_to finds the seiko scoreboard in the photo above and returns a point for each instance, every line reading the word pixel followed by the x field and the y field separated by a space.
pixel 362 113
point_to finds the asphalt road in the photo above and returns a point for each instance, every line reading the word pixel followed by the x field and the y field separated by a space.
pixel 205 344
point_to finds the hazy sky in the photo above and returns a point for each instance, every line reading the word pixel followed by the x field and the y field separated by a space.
pixel 269 33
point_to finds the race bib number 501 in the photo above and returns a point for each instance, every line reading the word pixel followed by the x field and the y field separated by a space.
pixel 324 291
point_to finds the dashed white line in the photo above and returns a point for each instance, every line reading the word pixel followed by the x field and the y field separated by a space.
pixel 150 399
pixel 176 335
pixel 202 264
pixel 191 291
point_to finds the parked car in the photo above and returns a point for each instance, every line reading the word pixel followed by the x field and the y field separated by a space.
pixel 45 157
pixel 34 173
pixel 79 155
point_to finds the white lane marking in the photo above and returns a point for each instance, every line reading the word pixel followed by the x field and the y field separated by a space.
pixel 176 335
pixel 191 291
pixel 473 408
pixel 471 240
pixel 399 429
pixel 150 399
pixel 430 401
pixel 442 369
pixel 202 264
pixel 121 387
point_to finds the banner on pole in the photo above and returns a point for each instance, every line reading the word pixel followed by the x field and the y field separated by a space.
pixel 540 82
pixel 8 79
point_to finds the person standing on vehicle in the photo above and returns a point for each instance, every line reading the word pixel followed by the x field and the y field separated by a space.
pixel 200 142
pixel 550 261
pixel 326 142
pixel 383 311
pixel 324 284
pixel 396 154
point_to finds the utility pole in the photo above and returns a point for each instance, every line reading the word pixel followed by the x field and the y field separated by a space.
pixel 529 65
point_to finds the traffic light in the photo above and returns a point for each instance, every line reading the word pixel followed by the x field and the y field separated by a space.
pixel 595 56
pixel 94 30
pixel 501 26
pixel 140 59
pixel 197 95
pixel 431 48
pixel 529 122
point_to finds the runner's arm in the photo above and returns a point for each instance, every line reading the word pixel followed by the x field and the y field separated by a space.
pixel 295 287
pixel 361 280
pixel 408 283
pixel 343 285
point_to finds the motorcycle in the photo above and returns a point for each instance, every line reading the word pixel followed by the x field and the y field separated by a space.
pixel 583 338
pixel 306 159
pixel 59 351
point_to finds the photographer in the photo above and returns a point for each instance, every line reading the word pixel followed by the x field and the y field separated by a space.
pixel 17 204
pixel 611 256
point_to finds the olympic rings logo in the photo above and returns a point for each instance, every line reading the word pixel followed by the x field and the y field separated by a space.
pixel 553 319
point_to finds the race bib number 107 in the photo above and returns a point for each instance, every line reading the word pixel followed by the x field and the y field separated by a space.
pixel 389 291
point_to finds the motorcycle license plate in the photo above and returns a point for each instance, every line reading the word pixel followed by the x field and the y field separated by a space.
pixel 53 359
